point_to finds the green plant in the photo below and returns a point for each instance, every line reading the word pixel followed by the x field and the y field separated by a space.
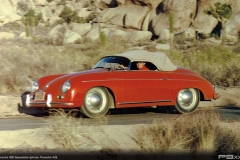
pixel 27 31
pixel 30 20
pixel 202 36
pixel 103 40
pixel 222 12
pixel 214 35
pixel 27 19
pixel 68 16
pixel 171 28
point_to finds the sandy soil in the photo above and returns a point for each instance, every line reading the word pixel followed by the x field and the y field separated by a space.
pixel 106 136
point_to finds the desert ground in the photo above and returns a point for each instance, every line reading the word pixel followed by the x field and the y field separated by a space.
pixel 117 137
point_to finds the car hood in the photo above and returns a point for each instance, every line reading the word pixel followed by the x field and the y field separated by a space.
pixel 66 77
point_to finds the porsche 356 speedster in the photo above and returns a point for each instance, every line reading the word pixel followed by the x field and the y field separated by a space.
pixel 116 82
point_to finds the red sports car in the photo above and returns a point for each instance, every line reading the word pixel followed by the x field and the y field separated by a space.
pixel 136 78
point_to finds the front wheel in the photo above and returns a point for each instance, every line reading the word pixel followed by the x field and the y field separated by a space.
pixel 96 102
pixel 187 100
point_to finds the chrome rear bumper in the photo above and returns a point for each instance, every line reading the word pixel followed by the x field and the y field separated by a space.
pixel 48 103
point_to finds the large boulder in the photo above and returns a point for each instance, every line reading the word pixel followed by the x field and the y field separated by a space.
pixel 55 16
pixel 81 28
pixel 164 35
pixel 60 34
pixel 71 37
pixel 150 3
pixel 6 35
pixel 46 13
pixel 182 11
pixel 6 8
pixel 93 34
pixel 84 13
pixel 138 36
pixel 8 12
pixel 233 24
pixel 9 18
pixel 40 2
pixel 203 22
pixel 128 35
pixel 128 16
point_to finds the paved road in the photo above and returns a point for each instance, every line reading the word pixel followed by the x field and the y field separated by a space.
pixel 117 117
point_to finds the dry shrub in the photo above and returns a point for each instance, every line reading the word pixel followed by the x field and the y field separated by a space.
pixel 215 63
pixel 197 133
pixel 232 73
pixel 72 133
pixel 22 64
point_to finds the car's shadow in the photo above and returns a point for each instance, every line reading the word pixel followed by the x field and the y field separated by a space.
pixel 140 110
pixel 37 112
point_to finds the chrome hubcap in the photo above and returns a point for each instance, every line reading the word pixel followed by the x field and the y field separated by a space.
pixel 95 100
pixel 187 97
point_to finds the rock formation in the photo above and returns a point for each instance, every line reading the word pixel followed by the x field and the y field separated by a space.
pixel 128 18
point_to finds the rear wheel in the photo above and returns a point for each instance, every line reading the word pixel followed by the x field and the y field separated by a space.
pixel 96 102
pixel 187 100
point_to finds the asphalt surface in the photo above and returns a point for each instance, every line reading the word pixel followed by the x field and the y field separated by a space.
pixel 118 117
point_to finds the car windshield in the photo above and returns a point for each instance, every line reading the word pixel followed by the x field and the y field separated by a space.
pixel 113 62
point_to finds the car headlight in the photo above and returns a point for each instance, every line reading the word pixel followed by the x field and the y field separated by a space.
pixel 66 86
pixel 34 86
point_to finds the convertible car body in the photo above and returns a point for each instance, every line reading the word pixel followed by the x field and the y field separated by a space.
pixel 115 82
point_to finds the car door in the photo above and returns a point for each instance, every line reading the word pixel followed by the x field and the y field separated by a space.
pixel 145 87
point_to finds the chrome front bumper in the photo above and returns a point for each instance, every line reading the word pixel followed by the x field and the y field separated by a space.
pixel 48 103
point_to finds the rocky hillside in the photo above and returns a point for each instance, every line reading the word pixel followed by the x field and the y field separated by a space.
pixel 131 20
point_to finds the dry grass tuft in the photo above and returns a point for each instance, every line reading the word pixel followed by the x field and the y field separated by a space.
pixel 197 133
pixel 73 133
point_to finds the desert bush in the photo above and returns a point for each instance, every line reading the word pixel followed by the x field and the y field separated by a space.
pixel 68 16
pixel 31 19
pixel 215 35
pixel 232 73
pixel 69 132
pixel 197 133
pixel 103 40
pixel 20 69
pixel 214 63
pixel 22 64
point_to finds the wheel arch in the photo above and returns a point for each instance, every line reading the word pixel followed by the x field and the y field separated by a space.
pixel 112 97
pixel 201 95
